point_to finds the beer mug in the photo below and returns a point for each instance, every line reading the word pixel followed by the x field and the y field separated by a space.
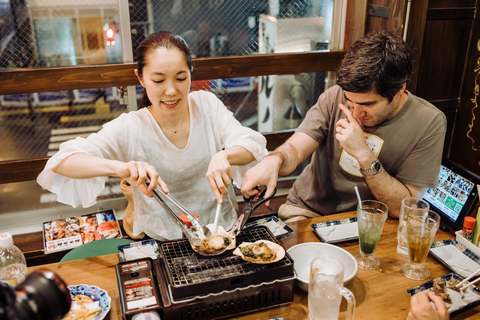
pixel 325 290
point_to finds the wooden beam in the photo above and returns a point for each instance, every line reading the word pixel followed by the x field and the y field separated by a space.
pixel 115 75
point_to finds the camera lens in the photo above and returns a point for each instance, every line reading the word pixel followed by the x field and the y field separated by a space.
pixel 43 296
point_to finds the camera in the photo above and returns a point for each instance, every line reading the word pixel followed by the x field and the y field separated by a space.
pixel 42 296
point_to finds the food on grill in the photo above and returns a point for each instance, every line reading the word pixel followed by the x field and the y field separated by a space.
pixel 217 243
pixel 261 251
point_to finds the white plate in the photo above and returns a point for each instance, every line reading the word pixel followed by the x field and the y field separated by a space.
pixel 337 230
pixel 460 302
pixel 277 226
pixel 96 294
pixel 456 257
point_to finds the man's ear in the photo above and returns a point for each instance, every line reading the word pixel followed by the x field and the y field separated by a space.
pixel 140 78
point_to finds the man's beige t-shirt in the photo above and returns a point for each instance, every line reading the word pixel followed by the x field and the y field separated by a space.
pixel 409 147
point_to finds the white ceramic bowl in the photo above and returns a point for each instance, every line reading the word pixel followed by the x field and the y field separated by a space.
pixel 304 253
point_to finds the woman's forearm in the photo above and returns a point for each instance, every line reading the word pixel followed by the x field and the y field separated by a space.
pixel 238 156
pixel 84 166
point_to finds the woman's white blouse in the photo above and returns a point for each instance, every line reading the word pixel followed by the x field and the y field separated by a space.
pixel 136 136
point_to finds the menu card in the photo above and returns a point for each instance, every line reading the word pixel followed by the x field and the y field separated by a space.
pixel 69 233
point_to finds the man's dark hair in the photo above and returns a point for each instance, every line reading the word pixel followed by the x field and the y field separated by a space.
pixel 380 60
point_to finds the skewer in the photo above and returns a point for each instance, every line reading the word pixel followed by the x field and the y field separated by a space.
pixel 469 284
pixel 468 278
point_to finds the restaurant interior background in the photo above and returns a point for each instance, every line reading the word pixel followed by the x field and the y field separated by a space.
pixel 304 41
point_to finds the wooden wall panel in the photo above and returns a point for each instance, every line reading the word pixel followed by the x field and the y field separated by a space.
pixel 466 136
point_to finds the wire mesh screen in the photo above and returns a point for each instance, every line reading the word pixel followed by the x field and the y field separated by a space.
pixel 54 33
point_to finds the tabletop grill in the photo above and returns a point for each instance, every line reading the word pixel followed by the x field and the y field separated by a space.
pixel 200 287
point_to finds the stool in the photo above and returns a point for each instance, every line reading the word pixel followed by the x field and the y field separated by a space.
pixel 95 248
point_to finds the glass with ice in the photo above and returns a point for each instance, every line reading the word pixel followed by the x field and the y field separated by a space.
pixel 371 216
pixel 408 205
pixel 325 290
pixel 421 229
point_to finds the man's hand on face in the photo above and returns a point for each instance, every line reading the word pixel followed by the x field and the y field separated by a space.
pixel 351 137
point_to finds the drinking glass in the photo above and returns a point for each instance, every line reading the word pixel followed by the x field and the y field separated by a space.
pixel 325 290
pixel 408 205
pixel 421 229
pixel 371 216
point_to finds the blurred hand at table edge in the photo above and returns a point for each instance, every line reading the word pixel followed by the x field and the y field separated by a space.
pixel 421 308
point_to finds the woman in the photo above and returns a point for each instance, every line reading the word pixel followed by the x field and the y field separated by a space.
pixel 175 140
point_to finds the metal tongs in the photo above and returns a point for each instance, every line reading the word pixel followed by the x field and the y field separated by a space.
pixel 251 204
pixel 197 225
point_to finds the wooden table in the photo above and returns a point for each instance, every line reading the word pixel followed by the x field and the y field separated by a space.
pixel 380 294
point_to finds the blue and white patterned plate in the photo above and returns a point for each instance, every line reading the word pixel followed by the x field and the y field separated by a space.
pixel 138 250
pixel 337 230
pixel 460 301
pixel 455 256
pixel 276 226
pixel 96 294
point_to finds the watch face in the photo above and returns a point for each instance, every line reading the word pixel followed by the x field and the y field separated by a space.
pixel 377 165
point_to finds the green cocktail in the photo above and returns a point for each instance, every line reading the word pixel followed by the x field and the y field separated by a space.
pixel 371 216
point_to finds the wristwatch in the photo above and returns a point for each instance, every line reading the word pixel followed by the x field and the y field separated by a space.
pixel 375 168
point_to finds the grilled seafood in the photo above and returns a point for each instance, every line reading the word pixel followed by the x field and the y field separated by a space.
pixel 216 244
pixel 261 251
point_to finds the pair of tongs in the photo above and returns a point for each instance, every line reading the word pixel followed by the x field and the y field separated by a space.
pixel 251 204
pixel 196 223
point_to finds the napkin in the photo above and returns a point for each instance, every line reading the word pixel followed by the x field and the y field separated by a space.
pixel 456 260
pixel 337 232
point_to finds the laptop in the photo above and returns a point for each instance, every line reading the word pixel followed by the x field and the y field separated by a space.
pixel 455 196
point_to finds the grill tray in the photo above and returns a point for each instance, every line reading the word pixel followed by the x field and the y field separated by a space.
pixel 189 274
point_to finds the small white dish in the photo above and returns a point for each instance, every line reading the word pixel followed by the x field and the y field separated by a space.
pixel 276 226
pixel 459 301
pixel 456 257
pixel 337 230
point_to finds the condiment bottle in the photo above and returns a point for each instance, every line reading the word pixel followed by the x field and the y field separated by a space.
pixel 13 267
pixel 468 226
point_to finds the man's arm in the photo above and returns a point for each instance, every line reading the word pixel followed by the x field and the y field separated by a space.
pixel 383 186
pixel 280 162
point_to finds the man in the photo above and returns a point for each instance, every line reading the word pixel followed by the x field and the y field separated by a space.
pixel 367 131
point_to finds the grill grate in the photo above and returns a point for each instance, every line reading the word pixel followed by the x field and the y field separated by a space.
pixel 188 272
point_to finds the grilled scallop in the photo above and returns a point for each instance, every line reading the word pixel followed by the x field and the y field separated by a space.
pixel 261 251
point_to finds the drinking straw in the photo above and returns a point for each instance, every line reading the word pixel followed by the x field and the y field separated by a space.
pixel 358 197
pixel 424 222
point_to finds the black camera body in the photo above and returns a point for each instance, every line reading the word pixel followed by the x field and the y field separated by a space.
pixel 42 296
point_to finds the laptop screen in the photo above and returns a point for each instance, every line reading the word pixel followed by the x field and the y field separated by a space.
pixel 455 196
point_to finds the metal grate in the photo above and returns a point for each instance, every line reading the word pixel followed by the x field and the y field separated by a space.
pixel 189 273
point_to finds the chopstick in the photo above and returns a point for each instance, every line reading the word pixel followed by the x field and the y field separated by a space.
pixel 469 284
pixel 466 280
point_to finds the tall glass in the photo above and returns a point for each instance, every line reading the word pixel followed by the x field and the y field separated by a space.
pixel 371 216
pixel 325 290
pixel 421 229
pixel 408 205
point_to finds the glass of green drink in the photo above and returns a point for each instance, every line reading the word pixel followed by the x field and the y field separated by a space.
pixel 371 216
pixel 421 229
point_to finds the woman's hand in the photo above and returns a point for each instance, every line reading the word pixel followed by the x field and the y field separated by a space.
pixel 219 175
pixel 421 309
pixel 136 174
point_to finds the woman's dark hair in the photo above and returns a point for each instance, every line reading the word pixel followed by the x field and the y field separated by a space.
pixel 160 39
pixel 380 60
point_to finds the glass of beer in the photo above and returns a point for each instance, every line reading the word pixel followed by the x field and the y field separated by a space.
pixel 408 204
pixel 421 229
pixel 325 290
pixel 371 216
